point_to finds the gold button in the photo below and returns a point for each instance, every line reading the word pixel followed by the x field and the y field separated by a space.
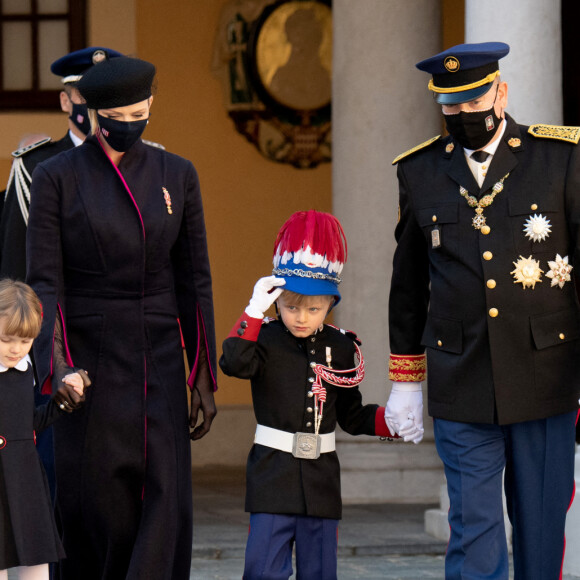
pixel 534 206
pixel 485 230
pixel 309 409
pixel 439 343
pixel 493 312
pixel 434 218
pixel 491 283
pixel 487 255
pixel 562 336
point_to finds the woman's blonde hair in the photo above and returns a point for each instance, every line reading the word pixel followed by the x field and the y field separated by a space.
pixel 20 309
pixel 93 120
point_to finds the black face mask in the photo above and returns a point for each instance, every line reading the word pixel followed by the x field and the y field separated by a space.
pixel 80 117
pixel 121 135
pixel 473 130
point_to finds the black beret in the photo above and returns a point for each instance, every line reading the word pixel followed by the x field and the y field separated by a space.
pixel 117 82
pixel 71 66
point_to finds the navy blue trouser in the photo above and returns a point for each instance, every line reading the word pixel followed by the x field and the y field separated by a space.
pixel 271 540
pixel 538 458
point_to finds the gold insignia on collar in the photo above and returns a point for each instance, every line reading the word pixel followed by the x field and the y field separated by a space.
pixel 527 272
pixel 514 142
pixel 451 64
pixel 449 147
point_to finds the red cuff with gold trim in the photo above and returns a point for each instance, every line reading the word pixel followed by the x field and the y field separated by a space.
pixel 407 368
pixel 381 429
pixel 246 327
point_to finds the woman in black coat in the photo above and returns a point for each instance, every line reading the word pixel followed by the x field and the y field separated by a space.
pixel 117 252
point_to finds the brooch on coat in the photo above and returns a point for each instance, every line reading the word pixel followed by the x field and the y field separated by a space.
pixel 167 198
pixel 527 272
pixel 559 271
pixel 537 228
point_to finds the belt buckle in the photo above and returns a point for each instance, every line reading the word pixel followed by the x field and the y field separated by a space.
pixel 306 446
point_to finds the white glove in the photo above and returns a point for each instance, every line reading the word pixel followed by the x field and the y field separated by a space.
pixel 265 293
pixel 404 411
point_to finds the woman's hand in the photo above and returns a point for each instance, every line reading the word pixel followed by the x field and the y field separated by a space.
pixel 202 399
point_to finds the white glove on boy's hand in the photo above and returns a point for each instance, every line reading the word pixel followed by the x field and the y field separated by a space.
pixel 265 293
pixel 404 411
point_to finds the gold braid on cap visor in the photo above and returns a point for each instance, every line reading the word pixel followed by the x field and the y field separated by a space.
pixel 488 79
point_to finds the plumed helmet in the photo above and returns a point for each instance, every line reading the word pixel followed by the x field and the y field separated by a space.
pixel 309 253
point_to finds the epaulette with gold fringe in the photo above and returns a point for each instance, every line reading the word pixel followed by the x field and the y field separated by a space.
pixel 569 134
pixel 415 149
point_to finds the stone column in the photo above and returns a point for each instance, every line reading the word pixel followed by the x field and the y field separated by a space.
pixel 381 107
pixel 533 68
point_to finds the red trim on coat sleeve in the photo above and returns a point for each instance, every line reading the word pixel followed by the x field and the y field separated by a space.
pixel 247 328
pixel 407 368
pixel 181 333
pixel 193 373
pixel 381 429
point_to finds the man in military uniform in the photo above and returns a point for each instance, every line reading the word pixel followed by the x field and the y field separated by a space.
pixel 17 198
pixel 484 281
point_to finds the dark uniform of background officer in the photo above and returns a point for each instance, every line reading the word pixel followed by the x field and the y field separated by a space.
pixel 17 201
pixel 482 281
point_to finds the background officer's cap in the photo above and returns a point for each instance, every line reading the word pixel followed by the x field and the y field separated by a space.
pixel 117 82
pixel 73 65
pixel 464 72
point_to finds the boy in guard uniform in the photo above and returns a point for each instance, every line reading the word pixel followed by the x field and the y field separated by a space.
pixel 304 376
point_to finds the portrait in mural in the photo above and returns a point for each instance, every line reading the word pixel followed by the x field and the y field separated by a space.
pixel 275 62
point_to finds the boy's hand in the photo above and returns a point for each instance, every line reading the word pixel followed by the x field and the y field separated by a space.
pixel 404 411
pixel 266 291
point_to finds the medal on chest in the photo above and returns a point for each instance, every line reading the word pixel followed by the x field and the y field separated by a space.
pixel 478 221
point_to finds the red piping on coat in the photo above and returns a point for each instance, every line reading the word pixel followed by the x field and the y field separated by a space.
pixel 181 333
pixel 126 186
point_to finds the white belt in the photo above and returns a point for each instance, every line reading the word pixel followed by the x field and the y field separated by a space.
pixel 285 441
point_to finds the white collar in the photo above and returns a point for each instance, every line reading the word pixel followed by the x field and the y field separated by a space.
pixel 76 140
pixel 21 365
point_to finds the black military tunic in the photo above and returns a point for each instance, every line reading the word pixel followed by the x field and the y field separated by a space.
pixel 122 257
pixel 278 365
pixel 17 203
pixel 496 351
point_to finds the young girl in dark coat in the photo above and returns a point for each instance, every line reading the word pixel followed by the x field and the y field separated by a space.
pixel 29 539
pixel 304 376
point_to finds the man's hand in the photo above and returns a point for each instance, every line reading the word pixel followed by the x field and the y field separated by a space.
pixel 265 293
pixel 404 411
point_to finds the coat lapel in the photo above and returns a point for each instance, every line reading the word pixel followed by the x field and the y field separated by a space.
pixel 505 158
pixel 459 171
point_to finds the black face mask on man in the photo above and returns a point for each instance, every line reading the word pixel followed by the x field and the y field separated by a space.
pixel 121 135
pixel 473 130
pixel 80 117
